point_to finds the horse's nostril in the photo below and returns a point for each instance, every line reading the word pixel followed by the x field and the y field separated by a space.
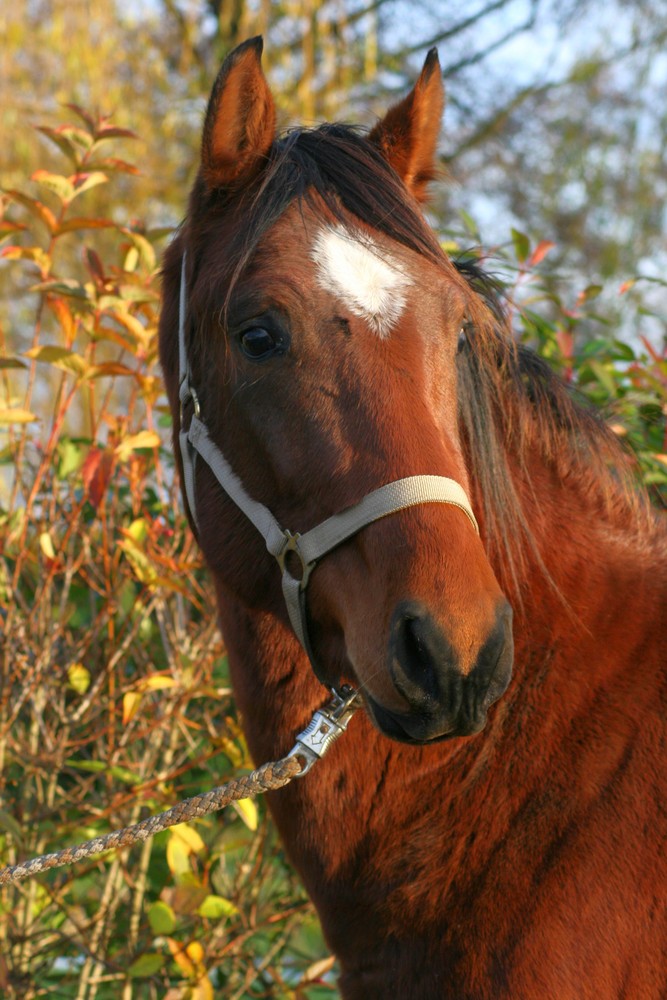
pixel 414 647
pixel 419 653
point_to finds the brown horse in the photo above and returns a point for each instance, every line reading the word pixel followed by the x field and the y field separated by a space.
pixel 331 348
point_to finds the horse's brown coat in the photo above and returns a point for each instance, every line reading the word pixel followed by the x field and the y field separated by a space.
pixel 525 862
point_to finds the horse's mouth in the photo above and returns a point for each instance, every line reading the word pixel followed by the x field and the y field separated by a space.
pixel 438 722
pixel 420 729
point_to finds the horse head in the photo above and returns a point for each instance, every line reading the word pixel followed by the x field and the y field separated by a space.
pixel 323 326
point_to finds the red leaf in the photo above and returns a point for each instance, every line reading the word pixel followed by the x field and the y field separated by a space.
pixel 111 132
pixel 96 473
pixel 565 341
pixel 94 265
pixel 76 223
pixel 83 115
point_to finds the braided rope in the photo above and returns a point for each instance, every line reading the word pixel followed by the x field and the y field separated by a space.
pixel 274 774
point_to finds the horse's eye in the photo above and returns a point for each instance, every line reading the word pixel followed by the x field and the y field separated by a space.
pixel 258 343
pixel 462 339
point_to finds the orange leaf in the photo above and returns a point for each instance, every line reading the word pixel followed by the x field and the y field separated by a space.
pixel 540 252
pixel 64 315
pixel 180 957
pixel 36 208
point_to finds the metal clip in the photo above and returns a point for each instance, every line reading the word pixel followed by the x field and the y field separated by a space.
pixel 326 725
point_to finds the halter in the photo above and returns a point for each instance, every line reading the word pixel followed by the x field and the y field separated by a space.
pixel 309 547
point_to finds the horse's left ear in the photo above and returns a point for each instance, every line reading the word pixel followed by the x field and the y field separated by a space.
pixel 407 136
pixel 240 123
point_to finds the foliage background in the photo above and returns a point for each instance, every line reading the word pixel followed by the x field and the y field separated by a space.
pixel 114 694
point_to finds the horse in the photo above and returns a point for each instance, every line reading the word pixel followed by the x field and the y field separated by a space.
pixel 493 823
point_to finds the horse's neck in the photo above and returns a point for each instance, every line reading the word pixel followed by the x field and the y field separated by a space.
pixel 583 666
pixel 603 581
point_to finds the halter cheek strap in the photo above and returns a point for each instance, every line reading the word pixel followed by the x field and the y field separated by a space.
pixel 310 547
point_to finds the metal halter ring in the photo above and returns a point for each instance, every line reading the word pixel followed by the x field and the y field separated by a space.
pixel 190 393
pixel 292 545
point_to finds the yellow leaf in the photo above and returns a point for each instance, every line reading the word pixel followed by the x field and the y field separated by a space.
pixel 144 439
pixel 78 677
pixel 138 530
pixel 16 415
pixel 46 545
pixel 661 458
pixel 131 702
pixel 195 952
pixel 178 856
pixel 189 836
pixel 156 682
pixel 202 990
pixel 143 568
pixel 142 334
pixel 247 810
pixel 318 969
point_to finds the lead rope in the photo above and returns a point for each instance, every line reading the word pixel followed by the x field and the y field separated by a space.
pixel 325 727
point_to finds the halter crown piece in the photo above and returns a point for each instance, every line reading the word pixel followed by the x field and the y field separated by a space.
pixel 312 545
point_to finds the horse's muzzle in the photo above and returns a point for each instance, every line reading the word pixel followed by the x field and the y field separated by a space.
pixel 442 701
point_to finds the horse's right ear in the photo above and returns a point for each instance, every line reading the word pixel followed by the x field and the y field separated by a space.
pixel 240 122
pixel 407 136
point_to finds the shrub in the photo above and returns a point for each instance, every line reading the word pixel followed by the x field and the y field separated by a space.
pixel 115 699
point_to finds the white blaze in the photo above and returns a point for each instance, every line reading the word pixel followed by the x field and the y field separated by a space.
pixel 351 266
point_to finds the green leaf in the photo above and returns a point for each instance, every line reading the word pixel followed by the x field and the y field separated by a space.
pixel 61 186
pixel 590 292
pixel 162 918
pixel 217 908
pixel 12 363
pixel 71 455
pixel 521 245
pixel 470 225
pixel 11 825
pixel 146 965
pixel 98 766
pixel 603 376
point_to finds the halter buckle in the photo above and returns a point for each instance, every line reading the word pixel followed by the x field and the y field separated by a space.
pixel 325 727
pixel 291 544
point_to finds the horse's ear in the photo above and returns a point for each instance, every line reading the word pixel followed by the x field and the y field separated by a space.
pixel 407 136
pixel 240 121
